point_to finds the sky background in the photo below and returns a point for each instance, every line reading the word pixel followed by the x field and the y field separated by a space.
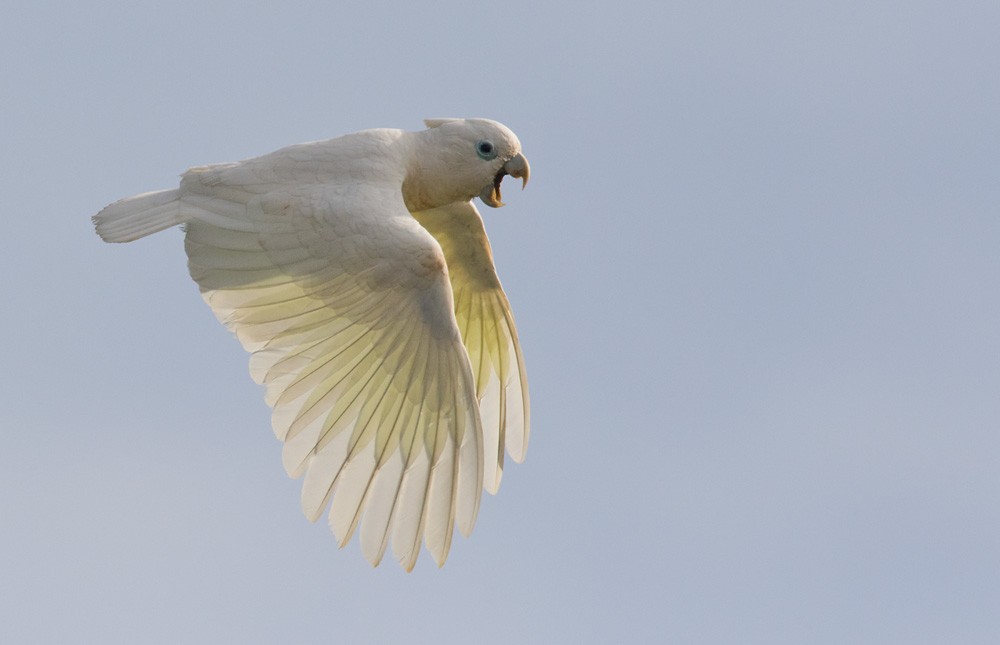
pixel 756 279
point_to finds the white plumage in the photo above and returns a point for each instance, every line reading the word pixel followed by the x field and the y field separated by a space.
pixel 357 273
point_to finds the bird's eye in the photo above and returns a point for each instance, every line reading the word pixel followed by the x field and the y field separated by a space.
pixel 486 150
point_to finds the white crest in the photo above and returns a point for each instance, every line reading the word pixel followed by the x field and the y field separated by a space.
pixel 433 123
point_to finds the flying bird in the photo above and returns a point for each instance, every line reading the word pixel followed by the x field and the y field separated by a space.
pixel 357 273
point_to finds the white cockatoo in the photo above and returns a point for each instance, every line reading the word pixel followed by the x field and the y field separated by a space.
pixel 357 273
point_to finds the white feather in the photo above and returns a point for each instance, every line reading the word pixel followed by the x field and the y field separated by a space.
pixel 134 217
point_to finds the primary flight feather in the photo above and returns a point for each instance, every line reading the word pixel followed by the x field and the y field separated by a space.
pixel 357 273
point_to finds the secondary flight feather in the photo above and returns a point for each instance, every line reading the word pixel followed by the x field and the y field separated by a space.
pixel 357 273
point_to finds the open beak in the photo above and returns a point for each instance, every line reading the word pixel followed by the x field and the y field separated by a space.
pixel 516 167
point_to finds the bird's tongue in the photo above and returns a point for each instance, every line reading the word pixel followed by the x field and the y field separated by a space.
pixel 491 194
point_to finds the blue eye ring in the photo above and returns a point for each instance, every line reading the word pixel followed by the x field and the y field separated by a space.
pixel 485 149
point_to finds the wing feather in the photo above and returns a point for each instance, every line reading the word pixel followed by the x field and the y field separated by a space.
pixel 344 303
pixel 488 331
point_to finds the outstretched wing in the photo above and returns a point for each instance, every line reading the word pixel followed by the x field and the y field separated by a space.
pixel 488 331
pixel 344 302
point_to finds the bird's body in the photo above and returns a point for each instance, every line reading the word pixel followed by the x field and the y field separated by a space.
pixel 358 274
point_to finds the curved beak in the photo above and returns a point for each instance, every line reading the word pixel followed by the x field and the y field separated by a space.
pixel 517 167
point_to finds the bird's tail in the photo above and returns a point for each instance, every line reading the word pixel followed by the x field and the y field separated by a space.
pixel 134 217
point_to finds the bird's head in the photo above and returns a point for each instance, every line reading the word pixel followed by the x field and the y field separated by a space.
pixel 464 158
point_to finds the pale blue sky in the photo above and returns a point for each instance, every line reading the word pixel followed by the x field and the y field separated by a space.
pixel 756 276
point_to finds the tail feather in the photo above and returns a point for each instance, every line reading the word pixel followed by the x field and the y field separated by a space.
pixel 134 217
